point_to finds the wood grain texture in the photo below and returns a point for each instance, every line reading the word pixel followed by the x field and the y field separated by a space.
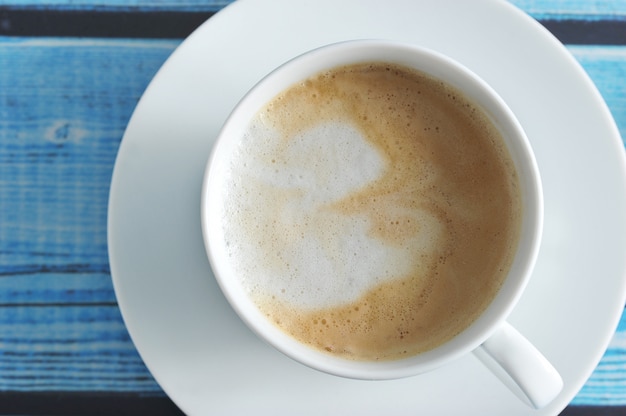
pixel 606 65
pixel 607 384
pixel 146 5
pixel 64 104
pixel 540 9
pixel 76 348
pixel 573 9
pixel 573 22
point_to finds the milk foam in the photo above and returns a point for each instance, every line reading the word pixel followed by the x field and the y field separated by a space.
pixel 371 211
pixel 311 255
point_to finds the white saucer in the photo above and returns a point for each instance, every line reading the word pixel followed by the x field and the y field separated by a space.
pixel 208 362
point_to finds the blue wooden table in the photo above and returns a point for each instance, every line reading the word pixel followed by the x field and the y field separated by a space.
pixel 71 73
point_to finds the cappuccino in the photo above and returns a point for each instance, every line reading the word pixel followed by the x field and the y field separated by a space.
pixel 371 211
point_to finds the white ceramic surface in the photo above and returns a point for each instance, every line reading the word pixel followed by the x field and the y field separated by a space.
pixel 208 362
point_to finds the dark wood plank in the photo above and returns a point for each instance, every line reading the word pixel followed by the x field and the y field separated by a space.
pixel 81 404
pixel 573 22
pixel 155 24
pixel 594 411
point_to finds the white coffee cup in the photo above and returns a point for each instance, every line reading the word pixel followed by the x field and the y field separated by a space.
pixel 504 350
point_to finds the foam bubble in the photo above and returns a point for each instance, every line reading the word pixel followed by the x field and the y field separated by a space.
pixel 288 237
pixel 378 200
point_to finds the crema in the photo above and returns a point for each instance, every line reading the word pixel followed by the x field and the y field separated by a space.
pixel 371 211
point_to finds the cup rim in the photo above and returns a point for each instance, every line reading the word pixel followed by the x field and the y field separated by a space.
pixel 437 65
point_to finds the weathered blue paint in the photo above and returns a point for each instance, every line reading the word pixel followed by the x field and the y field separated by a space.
pixel 64 104
pixel 606 65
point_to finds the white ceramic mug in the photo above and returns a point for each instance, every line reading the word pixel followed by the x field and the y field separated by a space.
pixel 507 353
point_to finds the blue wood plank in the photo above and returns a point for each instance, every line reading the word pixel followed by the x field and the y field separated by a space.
pixel 60 128
pixel 572 22
pixel 64 105
pixel 607 68
pixel 607 384
pixel 540 9
pixel 146 5
pixel 69 348
pixel 573 9
pixel 56 288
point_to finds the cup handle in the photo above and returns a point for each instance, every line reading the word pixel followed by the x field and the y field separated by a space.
pixel 520 366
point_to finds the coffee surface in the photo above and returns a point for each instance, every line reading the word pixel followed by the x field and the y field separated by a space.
pixel 371 211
